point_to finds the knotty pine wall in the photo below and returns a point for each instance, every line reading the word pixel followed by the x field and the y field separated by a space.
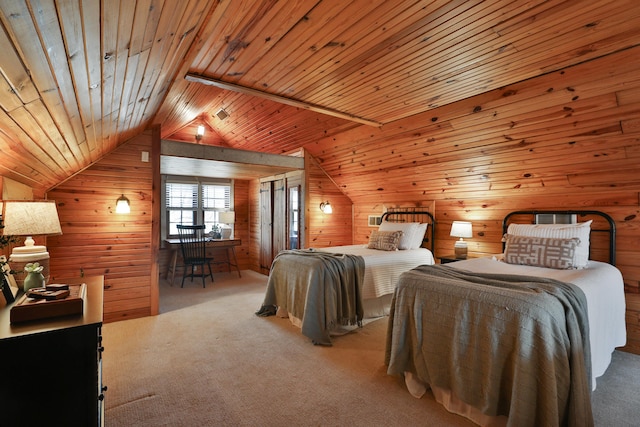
pixel 565 140
pixel 324 230
pixel 254 225
pixel 361 212
pixel 320 229
pixel 97 241
pixel 241 230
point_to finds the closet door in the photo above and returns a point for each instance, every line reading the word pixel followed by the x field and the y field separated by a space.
pixel 266 241
pixel 281 217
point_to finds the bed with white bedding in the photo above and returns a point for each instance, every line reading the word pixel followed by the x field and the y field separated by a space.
pixel 320 289
pixel 509 354
pixel 381 272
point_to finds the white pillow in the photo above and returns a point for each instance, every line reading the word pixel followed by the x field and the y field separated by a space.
pixel 420 231
pixel 580 230
pixel 408 232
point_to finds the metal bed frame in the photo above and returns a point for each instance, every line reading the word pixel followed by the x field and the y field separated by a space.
pixel 415 216
pixel 611 231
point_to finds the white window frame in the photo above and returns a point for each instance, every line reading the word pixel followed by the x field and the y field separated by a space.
pixel 201 214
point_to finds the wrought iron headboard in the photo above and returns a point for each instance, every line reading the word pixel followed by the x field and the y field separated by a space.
pixel 415 216
pixel 611 230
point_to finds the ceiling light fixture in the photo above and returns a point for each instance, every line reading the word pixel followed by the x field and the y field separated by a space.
pixel 200 132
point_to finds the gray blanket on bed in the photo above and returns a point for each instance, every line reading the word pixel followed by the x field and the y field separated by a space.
pixel 321 289
pixel 507 345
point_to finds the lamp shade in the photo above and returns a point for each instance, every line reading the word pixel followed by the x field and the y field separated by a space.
pixel 461 229
pixel 26 218
pixel 227 217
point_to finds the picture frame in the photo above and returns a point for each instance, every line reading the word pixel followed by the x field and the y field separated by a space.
pixel 8 282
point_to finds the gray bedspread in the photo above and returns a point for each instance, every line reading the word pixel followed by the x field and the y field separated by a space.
pixel 321 289
pixel 507 345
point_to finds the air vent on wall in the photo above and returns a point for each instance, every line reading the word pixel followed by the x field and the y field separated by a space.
pixel 221 114
pixel 556 219
pixel 374 220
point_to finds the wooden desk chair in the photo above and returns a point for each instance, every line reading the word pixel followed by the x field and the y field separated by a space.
pixel 193 247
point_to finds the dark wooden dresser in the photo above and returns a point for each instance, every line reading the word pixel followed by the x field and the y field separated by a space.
pixel 51 369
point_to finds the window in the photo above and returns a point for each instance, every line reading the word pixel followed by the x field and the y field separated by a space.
pixel 294 217
pixel 195 202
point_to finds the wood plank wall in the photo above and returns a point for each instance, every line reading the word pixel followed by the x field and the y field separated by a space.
pixel 242 208
pixel 568 139
pixel 254 225
pixel 97 241
pixel 361 227
pixel 326 230
pixel 565 140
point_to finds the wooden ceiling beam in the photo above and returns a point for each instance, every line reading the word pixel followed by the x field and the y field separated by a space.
pixel 196 78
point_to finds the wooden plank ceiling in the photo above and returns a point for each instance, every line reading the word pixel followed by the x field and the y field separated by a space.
pixel 80 77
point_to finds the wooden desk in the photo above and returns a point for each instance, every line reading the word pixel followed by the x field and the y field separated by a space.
pixel 228 244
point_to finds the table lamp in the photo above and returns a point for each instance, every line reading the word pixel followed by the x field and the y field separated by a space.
pixel 227 218
pixel 461 229
pixel 26 218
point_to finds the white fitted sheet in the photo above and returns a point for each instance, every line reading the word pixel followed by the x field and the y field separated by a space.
pixel 603 287
pixel 383 268
pixel 381 272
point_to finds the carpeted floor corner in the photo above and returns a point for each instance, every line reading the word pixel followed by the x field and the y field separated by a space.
pixel 207 360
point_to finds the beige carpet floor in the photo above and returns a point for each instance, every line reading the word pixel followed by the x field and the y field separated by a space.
pixel 207 360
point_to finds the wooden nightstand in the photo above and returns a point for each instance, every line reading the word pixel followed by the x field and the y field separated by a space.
pixel 452 258
pixel 52 368
pixel 449 258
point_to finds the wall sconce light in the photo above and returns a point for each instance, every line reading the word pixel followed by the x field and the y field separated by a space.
pixel 122 205
pixel 326 207
pixel 461 229
pixel 200 132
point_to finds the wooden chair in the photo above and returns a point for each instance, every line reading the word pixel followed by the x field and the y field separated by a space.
pixel 193 247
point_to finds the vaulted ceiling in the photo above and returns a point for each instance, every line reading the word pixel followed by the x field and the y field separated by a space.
pixel 80 77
